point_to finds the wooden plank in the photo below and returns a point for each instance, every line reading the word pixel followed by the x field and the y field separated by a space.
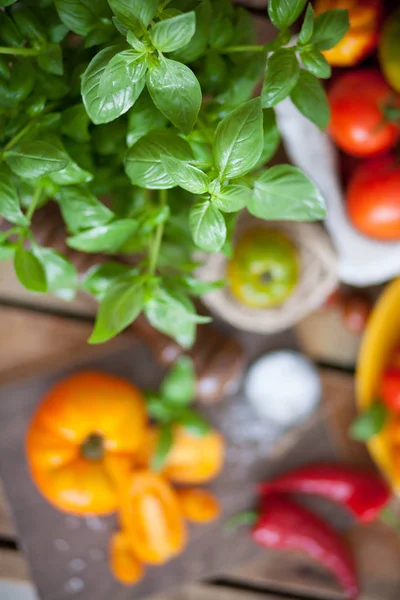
pixel 13 565
pixel 7 528
pixel 32 342
pixel 213 592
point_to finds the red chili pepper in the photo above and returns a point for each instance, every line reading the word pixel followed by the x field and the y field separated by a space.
pixel 286 525
pixel 363 493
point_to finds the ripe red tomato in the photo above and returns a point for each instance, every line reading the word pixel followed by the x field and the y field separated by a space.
pixel 390 389
pixel 373 198
pixel 357 122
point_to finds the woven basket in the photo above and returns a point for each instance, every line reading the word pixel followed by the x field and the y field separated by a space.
pixel 318 278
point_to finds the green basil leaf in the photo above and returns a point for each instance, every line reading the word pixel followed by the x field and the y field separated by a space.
pixel 285 12
pixel 194 423
pixel 282 74
pixel 76 15
pixel 198 43
pixel 61 275
pixel 173 315
pixel 164 444
pixel 185 175
pixel 97 280
pixel 158 409
pixel 134 41
pixel 176 92
pixel 370 422
pixel 308 26
pixel 29 25
pixel 329 28
pixel 284 192
pixel 103 108
pixel 57 32
pixel 143 118
pixel 51 86
pixel 124 69
pixel 171 34
pixel 82 210
pixel 232 198
pixel 7 2
pixel 238 140
pixel 311 100
pixel 9 199
pixel 5 70
pixel 197 287
pixel 19 85
pixel 34 159
pixel 207 226
pixel 179 386
pixel 122 304
pixel 271 137
pixel 128 11
pixel 29 270
pixel 143 161
pixel 222 26
pixel 245 31
pixel 71 175
pixel 51 60
pixel 105 238
pixel 315 63
pixel 242 80
pixel 75 123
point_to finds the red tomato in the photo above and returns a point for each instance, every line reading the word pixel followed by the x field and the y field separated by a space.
pixel 373 198
pixel 357 121
pixel 390 389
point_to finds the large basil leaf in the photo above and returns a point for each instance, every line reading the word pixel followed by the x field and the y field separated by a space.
pixel 307 28
pixel 124 69
pixel 61 275
pixel 282 75
pixel 103 108
pixel 105 238
pixel 232 198
pixel 121 305
pixel 171 34
pixel 9 199
pixel 185 175
pixel 34 159
pixel 198 44
pixel 285 12
pixel 98 279
pixel 176 92
pixel 144 117
pixel 284 192
pixel 329 28
pixel 207 226
pixel 76 15
pixel 82 210
pixel 310 99
pixel 129 11
pixel 315 63
pixel 238 140
pixel 143 161
pixel 71 175
pixel 29 270
pixel 173 315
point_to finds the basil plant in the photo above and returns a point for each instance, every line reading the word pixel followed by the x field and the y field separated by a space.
pixel 139 119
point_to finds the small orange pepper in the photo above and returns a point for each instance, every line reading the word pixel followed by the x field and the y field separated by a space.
pixel 151 516
pixel 199 506
pixel 361 38
pixel 124 564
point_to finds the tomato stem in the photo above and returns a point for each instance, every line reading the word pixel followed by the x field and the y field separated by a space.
pixel 92 447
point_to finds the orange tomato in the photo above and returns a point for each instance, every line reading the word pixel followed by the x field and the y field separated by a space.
pixel 361 38
pixel 192 459
pixel 151 516
pixel 198 505
pixel 82 441
pixel 124 564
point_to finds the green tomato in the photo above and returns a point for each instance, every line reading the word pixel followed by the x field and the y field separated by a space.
pixel 264 268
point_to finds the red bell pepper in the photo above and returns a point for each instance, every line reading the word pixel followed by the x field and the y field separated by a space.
pixel 363 493
pixel 285 525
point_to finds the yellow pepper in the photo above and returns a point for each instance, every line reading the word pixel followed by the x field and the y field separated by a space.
pixel 362 37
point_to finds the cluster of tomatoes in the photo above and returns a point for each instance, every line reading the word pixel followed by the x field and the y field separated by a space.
pixel 365 114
